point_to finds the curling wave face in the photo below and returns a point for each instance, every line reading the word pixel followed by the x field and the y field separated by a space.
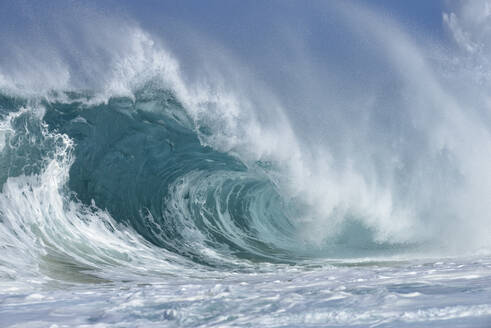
pixel 99 196
pixel 143 162
pixel 138 163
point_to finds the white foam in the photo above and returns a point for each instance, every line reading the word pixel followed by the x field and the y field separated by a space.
pixel 42 225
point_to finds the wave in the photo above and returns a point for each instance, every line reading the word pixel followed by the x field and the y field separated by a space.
pixel 137 164
pixel 144 169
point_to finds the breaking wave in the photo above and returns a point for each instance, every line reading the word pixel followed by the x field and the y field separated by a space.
pixel 124 162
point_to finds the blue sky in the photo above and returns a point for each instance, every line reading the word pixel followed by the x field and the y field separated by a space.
pixel 235 24
pixel 225 19
pixel 257 31
pixel 267 37
pixel 233 20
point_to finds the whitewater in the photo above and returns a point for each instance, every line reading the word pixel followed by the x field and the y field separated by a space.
pixel 174 180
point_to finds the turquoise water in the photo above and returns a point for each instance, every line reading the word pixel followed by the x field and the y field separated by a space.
pixel 138 192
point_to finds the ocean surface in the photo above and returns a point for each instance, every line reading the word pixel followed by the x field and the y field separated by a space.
pixel 134 195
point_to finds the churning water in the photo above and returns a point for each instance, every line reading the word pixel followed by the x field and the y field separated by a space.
pixel 133 194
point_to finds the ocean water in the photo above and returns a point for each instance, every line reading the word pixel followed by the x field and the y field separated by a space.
pixel 136 194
